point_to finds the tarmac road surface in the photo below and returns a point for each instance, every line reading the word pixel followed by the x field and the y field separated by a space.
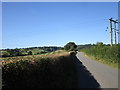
pixel 92 74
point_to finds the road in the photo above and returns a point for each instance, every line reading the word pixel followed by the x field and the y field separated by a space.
pixel 92 74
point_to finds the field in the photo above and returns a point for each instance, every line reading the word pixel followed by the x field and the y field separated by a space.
pixel 53 70
pixel 27 51
pixel 105 54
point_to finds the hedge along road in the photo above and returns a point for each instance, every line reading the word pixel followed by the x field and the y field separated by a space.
pixel 92 74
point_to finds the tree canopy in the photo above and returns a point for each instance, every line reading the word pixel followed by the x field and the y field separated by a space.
pixel 71 46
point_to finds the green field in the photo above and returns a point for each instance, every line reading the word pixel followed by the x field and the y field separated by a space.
pixel 28 51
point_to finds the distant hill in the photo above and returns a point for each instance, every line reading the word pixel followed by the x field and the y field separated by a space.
pixel 28 51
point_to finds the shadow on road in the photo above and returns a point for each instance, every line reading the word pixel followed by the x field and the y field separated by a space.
pixel 84 77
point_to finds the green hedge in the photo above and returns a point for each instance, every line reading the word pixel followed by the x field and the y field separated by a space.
pixel 106 53
pixel 44 72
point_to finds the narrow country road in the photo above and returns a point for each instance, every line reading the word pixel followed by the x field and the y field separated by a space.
pixel 92 74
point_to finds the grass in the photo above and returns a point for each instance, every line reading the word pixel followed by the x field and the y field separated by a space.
pixel 39 71
pixel 32 57
pixel 104 54
pixel 114 65
pixel 35 51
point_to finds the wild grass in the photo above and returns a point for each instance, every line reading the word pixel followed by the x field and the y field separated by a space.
pixel 39 71
pixel 104 54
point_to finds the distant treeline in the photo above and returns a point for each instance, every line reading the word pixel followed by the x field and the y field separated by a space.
pixel 71 46
pixel 28 51
pixel 47 48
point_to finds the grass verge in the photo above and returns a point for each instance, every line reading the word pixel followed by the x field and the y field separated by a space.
pixel 104 54
pixel 114 65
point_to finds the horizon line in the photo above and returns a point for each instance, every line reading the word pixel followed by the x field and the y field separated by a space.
pixel 49 46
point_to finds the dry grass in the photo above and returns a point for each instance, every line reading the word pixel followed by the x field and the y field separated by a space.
pixel 15 59
pixel 55 70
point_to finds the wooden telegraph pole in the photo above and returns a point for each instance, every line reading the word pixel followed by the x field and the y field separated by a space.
pixel 115 22
pixel 115 32
pixel 111 40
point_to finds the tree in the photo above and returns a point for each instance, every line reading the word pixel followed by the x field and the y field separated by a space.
pixel 14 52
pixel 30 53
pixel 5 54
pixel 99 43
pixel 71 46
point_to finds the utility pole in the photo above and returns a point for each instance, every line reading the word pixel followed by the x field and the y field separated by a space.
pixel 111 40
pixel 115 32
pixel 115 22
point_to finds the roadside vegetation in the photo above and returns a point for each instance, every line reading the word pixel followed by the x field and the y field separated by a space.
pixel 48 70
pixel 104 53
pixel 39 71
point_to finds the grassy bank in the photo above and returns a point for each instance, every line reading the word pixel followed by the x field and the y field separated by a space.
pixel 104 54
pixel 39 71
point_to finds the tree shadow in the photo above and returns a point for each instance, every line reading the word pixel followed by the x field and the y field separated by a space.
pixel 84 77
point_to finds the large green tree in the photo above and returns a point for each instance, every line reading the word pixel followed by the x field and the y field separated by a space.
pixel 71 46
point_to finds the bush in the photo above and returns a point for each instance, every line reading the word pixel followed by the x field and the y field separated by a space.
pixel 43 72
pixel 5 54
pixel 30 53
pixel 106 53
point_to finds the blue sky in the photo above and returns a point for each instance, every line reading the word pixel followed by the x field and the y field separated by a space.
pixel 28 24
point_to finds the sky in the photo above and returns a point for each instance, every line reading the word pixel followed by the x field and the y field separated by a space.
pixel 31 24
pixel 60 0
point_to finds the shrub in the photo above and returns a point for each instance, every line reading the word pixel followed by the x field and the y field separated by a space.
pixel 5 54
pixel 39 72
pixel 106 53
pixel 30 53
